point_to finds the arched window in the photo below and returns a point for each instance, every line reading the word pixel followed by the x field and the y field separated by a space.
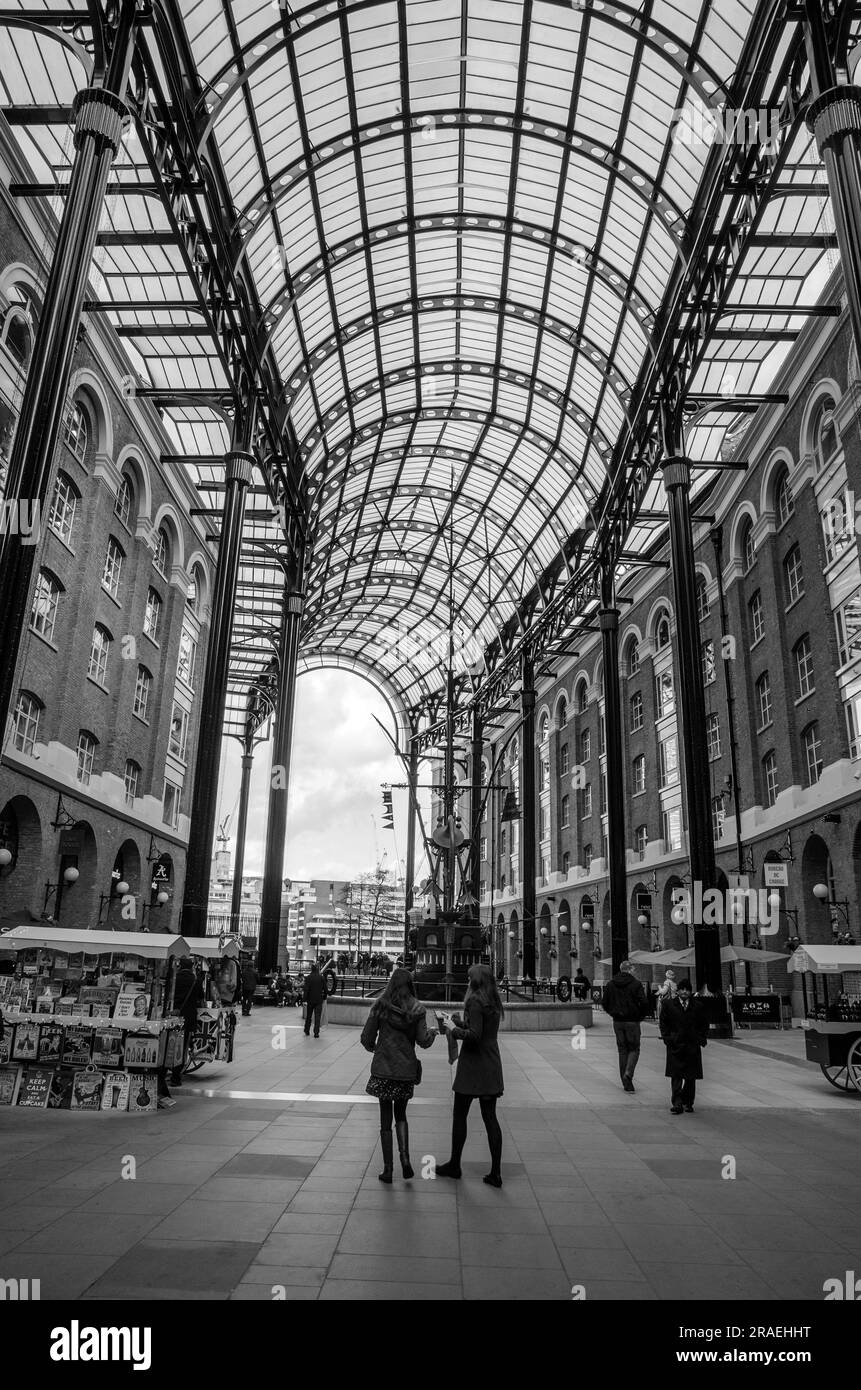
pixel 582 698
pixel 152 615
pixel 811 746
pixel 747 548
pixel 544 729
pixel 824 433
pixel 143 685
pixel 113 567
pixel 784 502
pixel 769 777
pixel 18 330
pixel 131 779
pixel 64 507
pixel 28 712
pixel 43 614
pixel 562 712
pixel 161 558
pixel 662 630
pixel 703 605
pixel 76 430
pixel 195 592
pixel 99 652
pixel 633 663
pixel 125 500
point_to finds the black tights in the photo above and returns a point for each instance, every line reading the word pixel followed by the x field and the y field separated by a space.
pixel 387 1107
pixel 491 1124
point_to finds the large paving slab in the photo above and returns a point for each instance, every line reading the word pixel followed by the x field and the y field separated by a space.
pixel 262 1182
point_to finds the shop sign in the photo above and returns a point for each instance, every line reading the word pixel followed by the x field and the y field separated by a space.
pixel 756 1008
pixel 776 875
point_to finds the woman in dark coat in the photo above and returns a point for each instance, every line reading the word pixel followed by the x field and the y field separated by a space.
pixel 684 1029
pixel 479 1070
pixel 396 1025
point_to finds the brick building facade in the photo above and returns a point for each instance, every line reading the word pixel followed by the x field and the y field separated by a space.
pixel 98 758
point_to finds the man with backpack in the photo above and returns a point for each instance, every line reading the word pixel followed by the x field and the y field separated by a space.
pixel 625 1002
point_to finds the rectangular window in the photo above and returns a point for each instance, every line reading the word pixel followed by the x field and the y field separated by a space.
pixel 63 509
pixel 99 649
pixel 178 743
pixel 757 618
pixel 853 726
pixel 43 614
pixel 636 712
pixel 187 658
pixel 665 701
pixel 804 681
pixel 713 736
pixel 142 689
pixel 170 804
pixel 793 575
pixel 587 801
pixel 131 780
pixel 565 809
pixel 585 746
pixel 718 818
pixel 566 863
pixel 152 615
pixel 543 823
pixel 587 857
pixel 812 754
pixel 545 868
pixel 113 568
pixel 602 734
pixel 86 755
pixel 27 713
pixel 769 772
pixel 641 840
pixel 563 759
pixel 669 762
pixel 483 846
pixel 672 821
pixel 763 700
pixel 639 779
pixel 707 659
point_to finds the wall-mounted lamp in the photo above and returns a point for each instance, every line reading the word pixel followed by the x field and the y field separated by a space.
pixel 70 877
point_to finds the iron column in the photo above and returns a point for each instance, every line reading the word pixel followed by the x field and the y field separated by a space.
pixel 608 617
pixel 527 705
pixel 413 777
pixel 677 484
pixel 100 115
pixel 276 825
pixel 834 117
pixel 475 805
pixel 214 695
pixel 241 825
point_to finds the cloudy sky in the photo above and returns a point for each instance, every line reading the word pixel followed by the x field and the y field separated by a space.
pixel 340 757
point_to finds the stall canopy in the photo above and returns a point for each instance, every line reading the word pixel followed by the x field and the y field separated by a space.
pixel 825 960
pixel 732 955
pixel 210 948
pixel 152 945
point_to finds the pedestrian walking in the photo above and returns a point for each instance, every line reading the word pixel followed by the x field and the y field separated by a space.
pixel 625 1002
pixel 315 993
pixel 581 984
pixel 395 1027
pixel 684 1029
pixel 479 1070
pixel 188 997
pixel 249 985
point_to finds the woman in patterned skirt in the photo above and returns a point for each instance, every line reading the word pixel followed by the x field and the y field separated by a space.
pixel 396 1026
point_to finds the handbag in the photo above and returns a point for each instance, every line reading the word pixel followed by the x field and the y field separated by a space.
pixel 418 1071
pixel 452 1049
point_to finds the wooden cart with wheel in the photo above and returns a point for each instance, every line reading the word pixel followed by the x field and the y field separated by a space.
pixel 832 1031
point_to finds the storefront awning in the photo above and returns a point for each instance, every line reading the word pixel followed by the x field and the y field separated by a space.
pixel 151 945
pixel 825 960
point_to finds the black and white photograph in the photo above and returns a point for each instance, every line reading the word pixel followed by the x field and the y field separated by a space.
pixel 430 672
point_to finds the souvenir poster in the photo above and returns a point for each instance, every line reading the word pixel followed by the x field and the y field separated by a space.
pixel 205 1043
pixel 61 1089
pixel 35 1087
pixel 78 1046
pixel 115 1095
pixel 99 1011
pixel 19 996
pixel 67 1005
pixel 87 1090
pixel 50 1043
pixel 143 1093
pixel 108 1048
pixel 173 1048
pixel 6 983
pixel 132 1004
pixel 10 1080
pixel 144 1051
pixel 26 1045
pixel 6 1042
pixel 93 995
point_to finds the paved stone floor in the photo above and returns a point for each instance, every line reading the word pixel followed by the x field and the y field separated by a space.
pixel 263 1177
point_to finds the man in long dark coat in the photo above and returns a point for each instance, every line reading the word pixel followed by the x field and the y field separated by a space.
pixel 684 1029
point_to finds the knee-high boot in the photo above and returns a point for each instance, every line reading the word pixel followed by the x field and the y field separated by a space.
pixel 388 1155
pixel 402 1130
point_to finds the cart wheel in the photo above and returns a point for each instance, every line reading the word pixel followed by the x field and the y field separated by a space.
pixel 853 1064
pixel 193 1064
pixel 842 1076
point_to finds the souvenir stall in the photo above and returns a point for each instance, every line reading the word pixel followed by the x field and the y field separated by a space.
pixel 86 1023
pixel 831 981
pixel 213 1039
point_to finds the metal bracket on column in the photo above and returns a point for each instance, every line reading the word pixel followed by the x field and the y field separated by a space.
pixel 238 465
pixel 101 114
pixel 295 603
pixel 834 113
pixel 676 472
